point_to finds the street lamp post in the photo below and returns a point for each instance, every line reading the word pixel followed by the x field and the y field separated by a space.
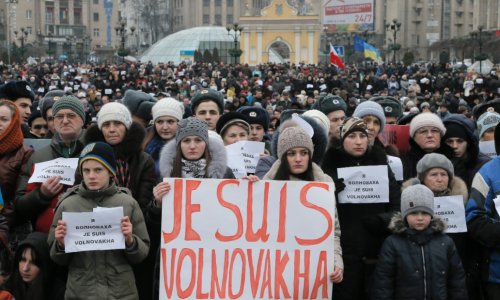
pixel 70 39
pixel 327 46
pixel 479 36
pixel 22 37
pixel 49 51
pixel 121 31
pixel 235 32
pixel 394 27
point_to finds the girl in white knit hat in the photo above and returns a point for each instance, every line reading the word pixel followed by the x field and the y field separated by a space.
pixel 166 114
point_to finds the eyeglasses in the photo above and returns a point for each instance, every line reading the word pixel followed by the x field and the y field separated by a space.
pixel 70 116
pixel 40 126
pixel 426 131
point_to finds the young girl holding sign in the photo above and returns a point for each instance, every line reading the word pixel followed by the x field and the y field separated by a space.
pixel 436 172
pixel 192 154
pixel 105 274
pixel 364 225
pixel 295 149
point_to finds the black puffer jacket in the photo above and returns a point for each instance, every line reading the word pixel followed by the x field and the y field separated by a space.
pixel 419 265
pixel 466 168
pixel 411 158
pixel 364 226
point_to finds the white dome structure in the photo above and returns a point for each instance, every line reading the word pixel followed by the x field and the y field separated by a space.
pixel 180 46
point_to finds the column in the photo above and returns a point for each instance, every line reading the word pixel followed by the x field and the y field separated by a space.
pixel 259 45
pixel 297 45
pixel 310 47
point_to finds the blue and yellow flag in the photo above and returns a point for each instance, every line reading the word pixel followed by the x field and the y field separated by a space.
pixel 372 52
pixel 359 44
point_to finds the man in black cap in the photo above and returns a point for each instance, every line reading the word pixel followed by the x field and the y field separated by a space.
pixel 21 93
pixel 208 105
pixel 334 107
pixel 392 108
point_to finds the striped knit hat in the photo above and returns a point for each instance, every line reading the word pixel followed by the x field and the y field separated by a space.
pixel 100 152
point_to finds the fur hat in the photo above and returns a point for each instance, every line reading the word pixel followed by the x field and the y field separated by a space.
pixel 14 90
pixel 168 107
pixel 100 152
pixel 256 115
pixel 207 94
pixel 417 198
pixel 486 121
pixel 426 119
pixel 351 125
pixel 330 103
pixel 192 126
pixel 139 104
pixel 69 102
pixel 390 105
pixel 114 111
pixel 229 119
pixel 434 160
pixel 319 117
pixel 292 136
pixel 370 108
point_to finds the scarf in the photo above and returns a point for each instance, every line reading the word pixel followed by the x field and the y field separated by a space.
pixel 154 147
pixel 193 168
pixel 122 173
pixel 12 138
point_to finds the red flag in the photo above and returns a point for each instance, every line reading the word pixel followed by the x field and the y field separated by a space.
pixel 335 58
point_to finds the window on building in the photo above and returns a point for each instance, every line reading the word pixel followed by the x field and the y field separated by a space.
pixel 29 29
pixel 77 16
pixel 96 17
pixel 206 19
pixel 96 2
pixel 77 4
pixel 229 19
pixel 96 32
pixel 229 3
pixel 218 20
pixel 218 2
pixel 206 3
pixel 63 15
pixel 49 15
pixel 29 14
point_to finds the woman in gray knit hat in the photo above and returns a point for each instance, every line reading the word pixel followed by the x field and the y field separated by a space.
pixel 193 153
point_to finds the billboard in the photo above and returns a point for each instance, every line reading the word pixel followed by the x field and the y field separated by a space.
pixel 349 15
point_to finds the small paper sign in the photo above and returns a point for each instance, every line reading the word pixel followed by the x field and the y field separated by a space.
pixel 451 210
pixel 244 153
pixel 396 166
pixel 65 168
pixel 91 231
pixel 367 184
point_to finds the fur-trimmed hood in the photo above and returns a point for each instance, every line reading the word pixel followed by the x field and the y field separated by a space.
pixel 215 169
pixel 131 144
pixel 457 187
pixel 398 225
pixel 318 174
pixel 319 139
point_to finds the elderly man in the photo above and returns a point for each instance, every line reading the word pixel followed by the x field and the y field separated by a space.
pixel 36 201
pixel 426 132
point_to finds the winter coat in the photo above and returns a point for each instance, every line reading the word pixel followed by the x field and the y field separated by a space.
pixel 466 168
pixel 216 169
pixel 483 219
pixel 411 158
pixel 320 176
pixel 141 166
pixel 101 274
pixel 11 163
pixel 418 265
pixel 29 202
pixel 364 226
pixel 320 142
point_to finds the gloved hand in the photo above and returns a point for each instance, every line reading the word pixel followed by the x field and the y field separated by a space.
pixel 339 184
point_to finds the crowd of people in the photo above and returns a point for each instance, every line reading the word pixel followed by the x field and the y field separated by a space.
pixel 131 125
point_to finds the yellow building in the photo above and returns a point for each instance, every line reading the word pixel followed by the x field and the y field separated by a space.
pixel 280 34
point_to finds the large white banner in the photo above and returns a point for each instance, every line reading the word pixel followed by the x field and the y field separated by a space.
pixel 349 15
pixel 234 239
